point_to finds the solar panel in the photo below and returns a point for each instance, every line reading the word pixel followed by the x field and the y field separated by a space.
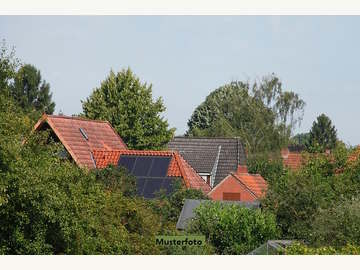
pixel 167 185
pixel 160 167
pixel 142 166
pixel 140 183
pixel 152 185
pixel 127 162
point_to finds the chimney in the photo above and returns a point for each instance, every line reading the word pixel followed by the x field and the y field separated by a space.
pixel 242 169
pixel 285 152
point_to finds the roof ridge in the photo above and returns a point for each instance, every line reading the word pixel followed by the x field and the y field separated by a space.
pixel 76 118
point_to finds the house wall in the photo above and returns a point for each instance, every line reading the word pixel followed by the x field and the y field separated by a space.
pixel 231 185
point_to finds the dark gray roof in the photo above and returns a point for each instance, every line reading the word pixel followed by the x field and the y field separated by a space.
pixel 201 154
pixel 187 212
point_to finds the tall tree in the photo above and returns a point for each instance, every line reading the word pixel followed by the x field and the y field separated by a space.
pixel 8 66
pixel 127 103
pixel 323 135
pixel 263 115
pixel 31 92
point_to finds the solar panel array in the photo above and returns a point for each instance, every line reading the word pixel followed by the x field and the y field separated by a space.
pixel 150 172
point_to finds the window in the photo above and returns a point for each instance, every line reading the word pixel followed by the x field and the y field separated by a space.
pixel 82 131
pixel 231 196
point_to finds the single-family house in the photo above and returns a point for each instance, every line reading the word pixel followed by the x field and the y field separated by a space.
pixel 292 157
pixel 81 136
pixel 212 158
pixel 154 170
pixel 240 186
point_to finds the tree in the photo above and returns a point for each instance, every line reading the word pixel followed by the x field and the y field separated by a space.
pixel 233 229
pixel 8 66
pixel 262 115
pixel 31 92
pixel 323 135
pixel 128 105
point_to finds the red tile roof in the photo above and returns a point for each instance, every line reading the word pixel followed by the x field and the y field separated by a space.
pixel 354 155
pixel 178 167
pixel 292 160
pixel 254 182
pixel 100 135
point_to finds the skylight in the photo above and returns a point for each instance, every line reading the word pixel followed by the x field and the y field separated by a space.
pixel 82 131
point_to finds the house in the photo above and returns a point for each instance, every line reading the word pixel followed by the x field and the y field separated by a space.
pixel 154 170
pixel 240 186
pixel 81 136
pixel 212 158
pixel 292 157
pixel 188 210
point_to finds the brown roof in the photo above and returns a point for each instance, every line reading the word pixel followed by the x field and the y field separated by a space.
pixel 81 136
pixel 178 167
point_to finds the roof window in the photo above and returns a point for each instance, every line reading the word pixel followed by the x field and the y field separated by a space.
pixel 82 131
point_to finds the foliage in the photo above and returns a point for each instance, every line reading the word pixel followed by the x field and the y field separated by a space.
pixel 233 229
pixel 322 135
pixel 128 105
pixel 115 178
pixel 270 167
pixel 301 139
pixel 8 65
pixel 338 225
pixel 298 197
pixel 262 115
pixel 301 249
pixel 31 92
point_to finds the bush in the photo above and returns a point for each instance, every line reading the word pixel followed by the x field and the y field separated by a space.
pixel 233 229
pixel 301 249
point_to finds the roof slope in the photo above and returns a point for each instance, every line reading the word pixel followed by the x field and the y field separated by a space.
pixel 100 135
pixel 292 158
pixel 188 213
pixel 254 182
pixel 201 154
pixel 178 167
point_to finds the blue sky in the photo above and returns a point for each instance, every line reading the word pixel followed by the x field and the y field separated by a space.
pixel 186 57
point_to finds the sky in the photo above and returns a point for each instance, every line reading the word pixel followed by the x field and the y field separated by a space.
pixel 187 57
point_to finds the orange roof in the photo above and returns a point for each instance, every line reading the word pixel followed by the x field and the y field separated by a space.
pixel 254 182
pixel 355 155
pixel 292 160
pixel 100 135
pixel 178 167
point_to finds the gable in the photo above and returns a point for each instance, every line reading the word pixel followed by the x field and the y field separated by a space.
pixel 80 136
pixel 201 154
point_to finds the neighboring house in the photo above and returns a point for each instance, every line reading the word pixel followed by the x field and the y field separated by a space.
pixel 154 170
pixel 188 210
pixel 354 156
pixel 212 158
pixel 81 136
pixel 292 157
pixel 240 186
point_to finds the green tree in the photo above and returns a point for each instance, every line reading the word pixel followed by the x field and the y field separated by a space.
pixel 128 105
pixel 301 139
pixel 31 92
pixel 323 135
pixel 262 115
pixel 233 229
pixel 8 65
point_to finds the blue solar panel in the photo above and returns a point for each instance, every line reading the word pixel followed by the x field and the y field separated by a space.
pixel 127 162
pixel 142 166
pixel 167 185
pixel 140 183
pixel 160 166
pixel 151 187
